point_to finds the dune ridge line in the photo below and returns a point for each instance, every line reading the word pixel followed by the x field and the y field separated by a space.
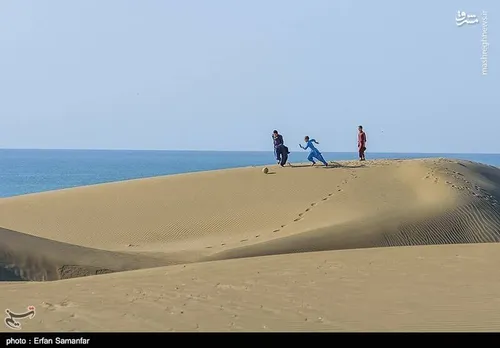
pixel 239 213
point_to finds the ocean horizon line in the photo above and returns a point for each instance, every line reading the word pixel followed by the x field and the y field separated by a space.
pixel 37 170
pixel 237 151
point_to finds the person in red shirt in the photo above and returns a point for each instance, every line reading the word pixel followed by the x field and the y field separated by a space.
pixel 361 143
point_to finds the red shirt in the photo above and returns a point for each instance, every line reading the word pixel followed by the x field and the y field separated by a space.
pixel 361 138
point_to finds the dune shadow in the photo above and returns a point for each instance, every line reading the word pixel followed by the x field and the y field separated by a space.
pixel 379 231
pixel 331 164
pixel 29 258
pixel 9 275
pixel 300 165
pixel 338 165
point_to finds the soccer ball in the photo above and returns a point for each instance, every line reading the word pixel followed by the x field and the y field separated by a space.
pixel 265 170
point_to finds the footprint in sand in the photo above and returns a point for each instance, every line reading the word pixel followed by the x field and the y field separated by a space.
pixel 276 230
pixel 208 247
pixel 313 204
pixel 53 307
pixel 301 214
pixel 325 199
pixel 283 226
pixel 330 194
pixel 222 244
pixel 297 219
pixel 308 209
pixel 257 236
pixel 244 240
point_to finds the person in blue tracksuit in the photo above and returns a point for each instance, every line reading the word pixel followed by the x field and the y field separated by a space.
pixel 314 152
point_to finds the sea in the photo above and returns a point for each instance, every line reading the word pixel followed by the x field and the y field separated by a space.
pixel 32 171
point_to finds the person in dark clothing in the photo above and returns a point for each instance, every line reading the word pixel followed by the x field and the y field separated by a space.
pixel 280 150
pixel 277 140
pixel 361 143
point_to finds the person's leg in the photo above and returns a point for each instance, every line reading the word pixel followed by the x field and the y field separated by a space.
pixel 364 149
pixel 277 153
pixel 360 153
pixel 311 158
pixel 319 156
pixel 284 156
pixel 287 152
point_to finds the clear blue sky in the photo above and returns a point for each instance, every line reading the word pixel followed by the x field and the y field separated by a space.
pixel 221 75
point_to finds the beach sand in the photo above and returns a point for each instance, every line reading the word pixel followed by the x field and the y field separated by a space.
pixel 385 245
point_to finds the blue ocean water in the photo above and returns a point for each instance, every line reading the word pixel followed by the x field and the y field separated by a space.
pixel 30 171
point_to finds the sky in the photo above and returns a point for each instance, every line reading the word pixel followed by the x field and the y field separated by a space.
pixel 223 74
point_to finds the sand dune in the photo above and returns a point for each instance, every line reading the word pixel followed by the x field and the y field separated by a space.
pixel 25 257
pixel 429 288
pixel 262 252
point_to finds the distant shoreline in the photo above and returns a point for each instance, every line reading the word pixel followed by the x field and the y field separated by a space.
pixel 25 171
pixel 250 151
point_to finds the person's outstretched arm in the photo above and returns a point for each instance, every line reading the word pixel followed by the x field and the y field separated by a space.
pixel 304 148
pixel 314 141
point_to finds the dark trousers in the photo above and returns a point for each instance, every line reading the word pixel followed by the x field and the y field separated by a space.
pixel 361 151
pixel 281 152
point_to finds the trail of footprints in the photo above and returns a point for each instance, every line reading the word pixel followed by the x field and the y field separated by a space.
pixel 301 215
pixel 326 198
pixel 466 186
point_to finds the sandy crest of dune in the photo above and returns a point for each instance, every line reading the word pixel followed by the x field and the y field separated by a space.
pixel 231 205
pixel 240 213
pixel 189 208
pixel 222 210
pixel 428 288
